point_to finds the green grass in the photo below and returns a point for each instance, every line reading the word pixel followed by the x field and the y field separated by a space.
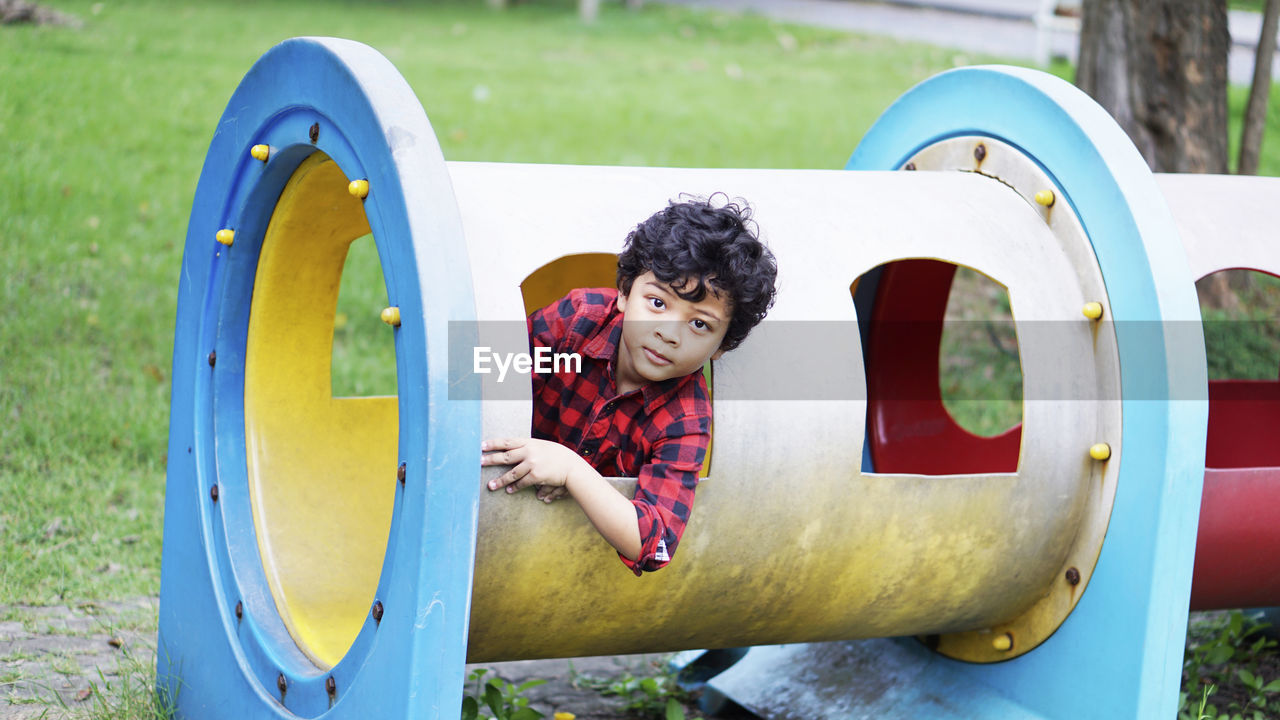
pixel 103 131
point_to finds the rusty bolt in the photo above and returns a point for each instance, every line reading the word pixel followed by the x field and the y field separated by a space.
pixel 314 133
pixel 980 152
pixel 377 611
pixel 239 610
pixel 910 166
pixel 282 684
pixel 400 472
pixel 1073 576
pixel 331 686
pixel 213 492
pixel 213 358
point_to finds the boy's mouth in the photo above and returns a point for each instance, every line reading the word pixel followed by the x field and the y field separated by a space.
pixel 655 358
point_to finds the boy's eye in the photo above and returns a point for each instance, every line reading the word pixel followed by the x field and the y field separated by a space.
pixel 656 303
pixel 700 325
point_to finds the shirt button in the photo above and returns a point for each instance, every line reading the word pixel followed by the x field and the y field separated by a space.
pixel 586 451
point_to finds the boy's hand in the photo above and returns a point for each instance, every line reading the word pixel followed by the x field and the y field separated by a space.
pixel 542 463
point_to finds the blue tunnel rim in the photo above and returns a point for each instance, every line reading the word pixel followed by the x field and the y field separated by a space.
pixel 364 125
pixel 1144 268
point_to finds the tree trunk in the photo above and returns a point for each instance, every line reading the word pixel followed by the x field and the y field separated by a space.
pixel 1160 68
pixel 1255 114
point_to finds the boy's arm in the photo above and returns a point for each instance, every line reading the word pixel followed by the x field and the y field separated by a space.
pixel 665 489
pixel 549 464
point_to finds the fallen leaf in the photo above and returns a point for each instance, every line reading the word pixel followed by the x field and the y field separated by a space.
pixel 115 642
pixel 83 695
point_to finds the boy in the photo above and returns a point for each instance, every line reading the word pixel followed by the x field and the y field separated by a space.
pixel 693 280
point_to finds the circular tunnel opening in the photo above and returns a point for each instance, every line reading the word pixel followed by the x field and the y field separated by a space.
pixel 318 463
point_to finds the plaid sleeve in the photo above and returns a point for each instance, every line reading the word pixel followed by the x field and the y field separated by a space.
pixel 665 488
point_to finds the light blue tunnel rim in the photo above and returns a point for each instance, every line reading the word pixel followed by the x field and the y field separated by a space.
pixel 373 126
pixel 1151 536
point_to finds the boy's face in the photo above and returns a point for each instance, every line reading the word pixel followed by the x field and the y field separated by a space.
pixel 665 336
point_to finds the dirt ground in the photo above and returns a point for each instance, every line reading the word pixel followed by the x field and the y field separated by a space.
pixel 52 659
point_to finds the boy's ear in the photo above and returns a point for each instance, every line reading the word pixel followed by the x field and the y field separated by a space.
pixel 622 301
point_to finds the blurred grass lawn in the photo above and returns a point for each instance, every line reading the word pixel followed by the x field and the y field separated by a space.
pixel 103 131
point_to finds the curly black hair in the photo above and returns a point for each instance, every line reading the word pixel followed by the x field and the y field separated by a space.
pixel 698 242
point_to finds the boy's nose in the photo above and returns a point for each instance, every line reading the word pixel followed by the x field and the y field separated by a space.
pixel 668 332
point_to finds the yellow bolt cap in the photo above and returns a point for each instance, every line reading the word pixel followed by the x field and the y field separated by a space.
pixel 1100 451
pixel 359 188
pixel 563 716
pixel 1092 310
pixel 1002 642
pixel 1045 198
pixel 391 316
pixel 226 236
pixel 260 152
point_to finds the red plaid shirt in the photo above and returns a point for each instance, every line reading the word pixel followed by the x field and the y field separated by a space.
pixel 658 433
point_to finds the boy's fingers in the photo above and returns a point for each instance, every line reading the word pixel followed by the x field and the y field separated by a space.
pixel 524 477
pixel 508 477
pixel 501 444
pixel 505 457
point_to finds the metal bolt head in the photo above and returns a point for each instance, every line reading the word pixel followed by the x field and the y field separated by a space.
pixel 1003 642
pixel 980 152
pixel 281 683
pixel 213 492
pixel 400 473
pixel 239 610
pixel 377 611
pixel 910 166
pixel 391 316
pixel 314 133
pixel 213 358
pixel 331 685
pixel 1073 576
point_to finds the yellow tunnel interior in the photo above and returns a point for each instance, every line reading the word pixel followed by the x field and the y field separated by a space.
pixel 321 470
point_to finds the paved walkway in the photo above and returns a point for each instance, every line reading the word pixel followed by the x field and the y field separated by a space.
pixel 58 657
pixel 1000 28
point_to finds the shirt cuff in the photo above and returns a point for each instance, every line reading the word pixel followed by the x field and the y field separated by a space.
pixel 654 554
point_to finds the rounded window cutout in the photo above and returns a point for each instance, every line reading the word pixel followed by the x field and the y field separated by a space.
pixel 944 384
pixel 364 348
pixel 979 369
